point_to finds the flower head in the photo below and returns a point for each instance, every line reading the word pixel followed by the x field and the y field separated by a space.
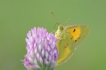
pixel 41 50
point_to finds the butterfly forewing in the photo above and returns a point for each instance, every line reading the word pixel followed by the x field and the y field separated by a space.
pixel 78 32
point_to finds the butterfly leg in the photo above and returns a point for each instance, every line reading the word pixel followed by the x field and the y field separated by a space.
pixel 59 39
pixel 53 31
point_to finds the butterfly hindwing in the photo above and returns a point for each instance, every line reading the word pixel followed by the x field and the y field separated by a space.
pixel 64 48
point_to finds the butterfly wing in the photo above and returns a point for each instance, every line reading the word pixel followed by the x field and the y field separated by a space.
pixel 71 37
pixel 64 47
pixel 78 32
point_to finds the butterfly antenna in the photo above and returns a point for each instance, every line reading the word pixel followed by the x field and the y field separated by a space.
pixel 54 16
pixel 67 21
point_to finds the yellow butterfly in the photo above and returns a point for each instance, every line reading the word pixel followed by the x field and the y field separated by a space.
pixel 68 38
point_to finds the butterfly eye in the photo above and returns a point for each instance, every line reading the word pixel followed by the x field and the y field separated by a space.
pixel 74 30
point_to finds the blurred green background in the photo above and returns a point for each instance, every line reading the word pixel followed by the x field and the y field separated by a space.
pixel 17 17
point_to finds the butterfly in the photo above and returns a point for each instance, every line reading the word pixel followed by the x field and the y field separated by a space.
pixel 68 38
